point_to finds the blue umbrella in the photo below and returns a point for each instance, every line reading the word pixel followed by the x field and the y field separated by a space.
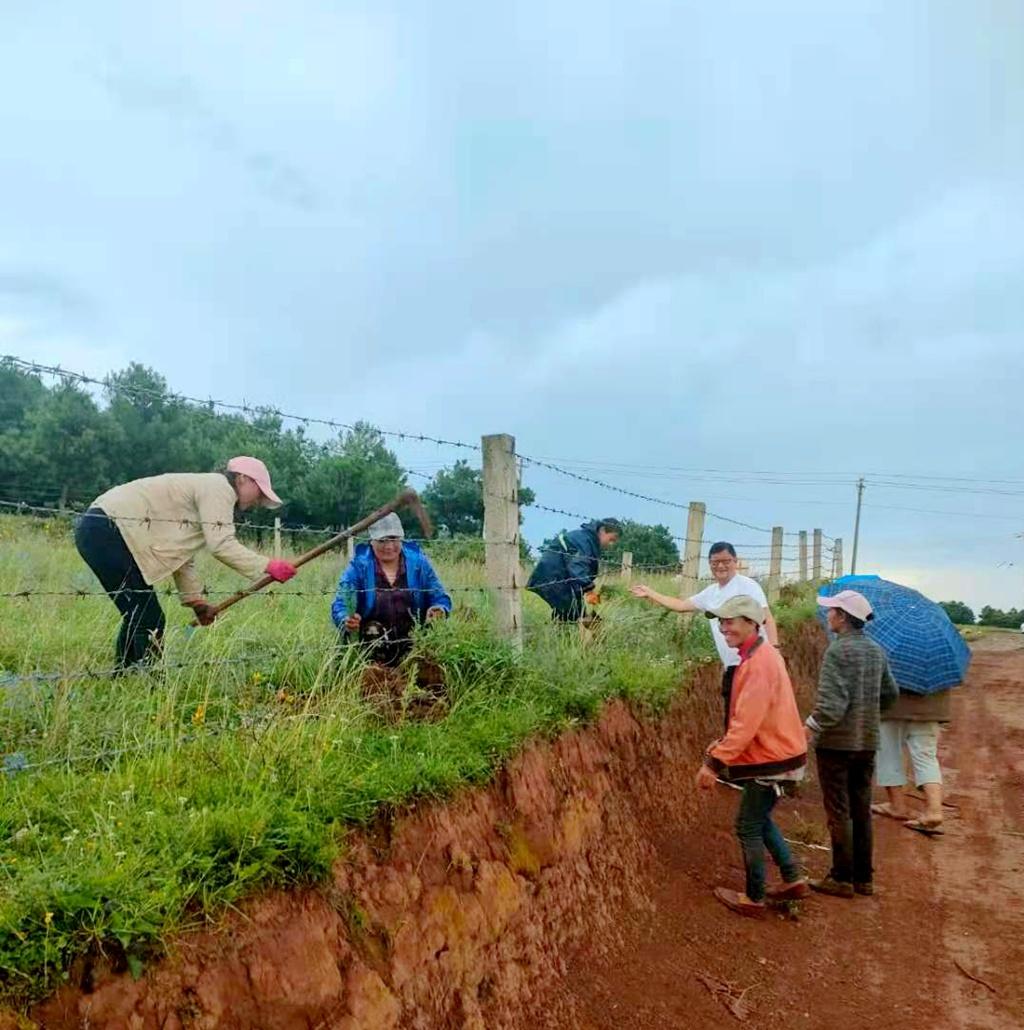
pixel 926 652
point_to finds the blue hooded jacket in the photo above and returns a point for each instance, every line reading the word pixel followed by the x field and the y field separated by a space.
pixel 567 568
pixel 360 580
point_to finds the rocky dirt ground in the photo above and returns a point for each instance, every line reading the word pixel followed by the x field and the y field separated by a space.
pixel 940 946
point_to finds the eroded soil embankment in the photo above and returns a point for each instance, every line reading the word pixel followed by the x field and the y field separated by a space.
pixel 453 915
pixel 940 945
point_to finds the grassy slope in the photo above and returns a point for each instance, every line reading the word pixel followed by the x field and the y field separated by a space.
pixel 151 802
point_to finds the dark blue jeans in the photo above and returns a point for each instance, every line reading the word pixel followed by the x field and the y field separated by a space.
pixel 756 831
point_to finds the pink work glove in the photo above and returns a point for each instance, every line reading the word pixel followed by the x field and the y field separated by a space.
pixel 280 570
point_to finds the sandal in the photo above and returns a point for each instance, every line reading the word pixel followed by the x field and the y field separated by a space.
pixel 928 829
pixel 884 808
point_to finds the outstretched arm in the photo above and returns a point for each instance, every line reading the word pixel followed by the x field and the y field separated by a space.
pixel 673 604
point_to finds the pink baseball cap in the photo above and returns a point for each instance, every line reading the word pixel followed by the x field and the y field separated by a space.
pixel 257 472
pixel 851 602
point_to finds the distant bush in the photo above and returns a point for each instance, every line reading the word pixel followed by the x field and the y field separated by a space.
pixel 958 612
pixel 1013 619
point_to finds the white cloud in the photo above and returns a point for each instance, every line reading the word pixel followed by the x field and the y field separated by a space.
pixel 633 233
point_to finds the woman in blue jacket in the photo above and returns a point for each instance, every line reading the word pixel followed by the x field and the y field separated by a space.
pixel 388 588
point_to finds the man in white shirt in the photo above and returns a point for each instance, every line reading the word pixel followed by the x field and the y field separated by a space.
pixel 728 583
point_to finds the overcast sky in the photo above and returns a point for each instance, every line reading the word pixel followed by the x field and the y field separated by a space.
pixel 654 237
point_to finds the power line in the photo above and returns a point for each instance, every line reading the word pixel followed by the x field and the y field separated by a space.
pixel 743 475
pixel 307 420
pixel 678 505
pixel 942 511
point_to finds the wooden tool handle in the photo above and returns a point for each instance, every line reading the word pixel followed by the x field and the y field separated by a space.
pixel 408 498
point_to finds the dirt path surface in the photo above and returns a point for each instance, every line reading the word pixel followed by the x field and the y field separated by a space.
pixel 941 945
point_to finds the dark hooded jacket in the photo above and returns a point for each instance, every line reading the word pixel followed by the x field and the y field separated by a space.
pixel 567 568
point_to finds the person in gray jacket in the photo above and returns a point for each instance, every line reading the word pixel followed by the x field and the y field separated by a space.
pixel 856 684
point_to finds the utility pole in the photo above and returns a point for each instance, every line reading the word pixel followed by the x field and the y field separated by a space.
pixel 856 526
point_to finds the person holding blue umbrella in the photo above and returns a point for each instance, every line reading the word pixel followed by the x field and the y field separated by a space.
pixel 913 723
pixel 928 657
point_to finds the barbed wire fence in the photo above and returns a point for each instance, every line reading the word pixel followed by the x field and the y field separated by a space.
pixel 778 557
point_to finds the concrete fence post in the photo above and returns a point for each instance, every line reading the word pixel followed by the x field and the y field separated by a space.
pixel 692 547
pixel 501 534
pixel 775 568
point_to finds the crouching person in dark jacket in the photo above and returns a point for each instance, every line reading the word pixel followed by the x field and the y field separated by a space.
pixel 568 567
pixel 388 588
pixel 855 685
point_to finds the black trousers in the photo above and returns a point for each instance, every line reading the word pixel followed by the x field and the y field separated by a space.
pixel 727 677
pixel 100 543
pixel 569 611
pixel 845 778
pixel 379 649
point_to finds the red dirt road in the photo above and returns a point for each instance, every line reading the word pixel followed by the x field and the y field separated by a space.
pixel 948 910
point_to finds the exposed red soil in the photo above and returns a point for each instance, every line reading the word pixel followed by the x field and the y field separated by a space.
pixel 574 892
pixel 947 909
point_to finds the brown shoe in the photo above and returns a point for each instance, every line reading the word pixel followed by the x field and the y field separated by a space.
pixel 789 891
pixel 867 889
pixel 739 903
pixel 826 885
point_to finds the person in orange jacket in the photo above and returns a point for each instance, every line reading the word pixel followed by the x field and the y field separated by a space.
pixel 764 746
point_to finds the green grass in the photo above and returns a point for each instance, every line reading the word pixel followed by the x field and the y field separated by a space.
pixel 151 803
pixel 970 633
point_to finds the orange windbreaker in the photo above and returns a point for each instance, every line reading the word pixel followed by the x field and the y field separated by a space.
pixel 766 734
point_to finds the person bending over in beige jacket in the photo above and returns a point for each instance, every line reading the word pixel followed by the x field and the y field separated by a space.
pixel 140 533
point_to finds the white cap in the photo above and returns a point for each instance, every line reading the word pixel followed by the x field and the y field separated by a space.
pixel 850 602
pixel 390 525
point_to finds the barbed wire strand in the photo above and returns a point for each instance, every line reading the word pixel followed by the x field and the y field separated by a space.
pixel 202 405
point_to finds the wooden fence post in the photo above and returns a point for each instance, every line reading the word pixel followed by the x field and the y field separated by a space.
pixel 692 548
pixel 277 536
pixel 627 566
pixel 775 568
pixel 837 557
pixel 501 534
pixel 350 548
pixel 816 559
pixel 803 555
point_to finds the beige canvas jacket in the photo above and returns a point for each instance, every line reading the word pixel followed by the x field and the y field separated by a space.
pixel 166 519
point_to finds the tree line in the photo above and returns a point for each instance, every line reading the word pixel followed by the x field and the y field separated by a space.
pixel 61 447
pixel 963 615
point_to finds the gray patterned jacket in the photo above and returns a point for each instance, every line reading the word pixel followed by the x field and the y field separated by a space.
pixel 854 687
